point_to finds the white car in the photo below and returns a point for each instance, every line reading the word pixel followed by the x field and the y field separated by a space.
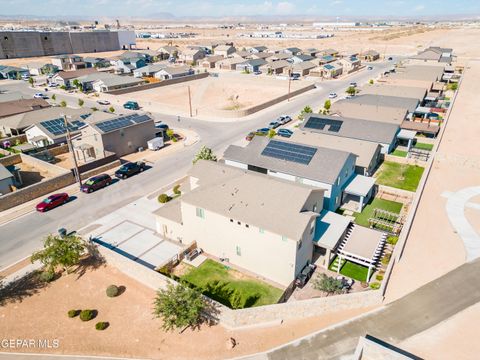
pixel 332 95
pixel 40 96
pixel 103 102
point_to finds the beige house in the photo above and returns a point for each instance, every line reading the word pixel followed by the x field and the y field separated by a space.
pixel 349 64
pixel 275 67
pixel 230 63
pixel 301 69
pixel 234 213
pixel 224 50
pixel 191 56
pixel 328 71
pixel 210 61
pixel 370 55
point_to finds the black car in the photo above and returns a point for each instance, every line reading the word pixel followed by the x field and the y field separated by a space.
pixel 305 275
pixel 129 169
pixel 96 182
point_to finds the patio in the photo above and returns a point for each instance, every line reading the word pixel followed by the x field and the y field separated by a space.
pixel 358 193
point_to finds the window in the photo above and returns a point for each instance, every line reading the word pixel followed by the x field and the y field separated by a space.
pixel 284 238
pixel 247 226
pixel 239 251
pixel 261 231
pixel 200 213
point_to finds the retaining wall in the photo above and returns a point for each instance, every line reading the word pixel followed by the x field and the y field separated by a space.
pixel 11 160
pixel 13 139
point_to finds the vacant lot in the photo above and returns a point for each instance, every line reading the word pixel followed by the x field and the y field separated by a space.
pixel 400 176
pixel 231 287
pixel 229 91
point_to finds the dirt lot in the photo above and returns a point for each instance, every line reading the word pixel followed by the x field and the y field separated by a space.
pixel 229 91
pixel 133 331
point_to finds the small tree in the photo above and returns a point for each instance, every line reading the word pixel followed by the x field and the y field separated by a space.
pixel 111 109
pixel 327 105
pixel 205 153
pixel 63 103
pixel 77 84
pixel 178 307
pixel 94 109
pixel 80 102
pixel 163 198
pixel 306 110
pixel 54 97
pixel 58 251
pixel 328 284
pixel 271 133
pixel 176 190
pixel 31 81
pixel 171 135
pixel 371 82
pixel 351 90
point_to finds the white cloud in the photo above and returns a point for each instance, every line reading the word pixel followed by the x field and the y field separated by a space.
pixel 419 7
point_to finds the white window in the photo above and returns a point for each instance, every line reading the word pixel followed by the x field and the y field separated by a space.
pixel 261 231
pixel 239 251
pixel 284 238
pixel 200 213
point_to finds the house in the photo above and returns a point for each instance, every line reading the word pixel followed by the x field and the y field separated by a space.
pixel 143 55
pixel 173 72
pixel 278 57
pixel 115 82
pixel 149 70
pixel 210 61
pixel 127 65
pixel 241 54
pixel 310 165
pixel 261 55
pixel 428 73
pixel 12 72
pixel 20 106
pixel 224 50
pixel 311 51
pixel 97 62
pixel 301 58
pixel 120 134
pixel 68 62
pixel 233 213
pixel 250 65
pixel 86 81
pixel 398 91
pixel 229 64
pixel 275 67
pixel 370 55
pixel 433 54
pixel 293 51
pixel 365 130
pixel 41 68
pixel 325 59
pixel 257 49
pixel 328 52
pixel 166 52
pixel 349 64
pixel 65 78
pixel 368 154
pixel 47 126
pixel 404 103
pixel 191 56
pixel 301 69
pixel 366 111
pixel 6 180
pixel 328 71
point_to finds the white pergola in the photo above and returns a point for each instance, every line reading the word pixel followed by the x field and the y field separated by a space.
pixel 361 186
pixel 362 246
pixel 408 135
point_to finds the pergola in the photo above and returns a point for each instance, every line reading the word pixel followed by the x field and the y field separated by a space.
pixel 408 135
pixel 361 187
pixel 362 246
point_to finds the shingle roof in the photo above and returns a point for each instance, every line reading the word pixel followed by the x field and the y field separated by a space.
pixel 24 120
pixel 68 75
pixel 120 80
pixel 277 64
pixel 385 101
pixel 13 107
pixel 325 165
pixel 100 116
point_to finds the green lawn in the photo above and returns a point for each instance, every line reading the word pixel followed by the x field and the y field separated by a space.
pixel 353 271
pixel 423 146
pixel 231 287
pixel 400 176
pixel 399 153
pixel 362 218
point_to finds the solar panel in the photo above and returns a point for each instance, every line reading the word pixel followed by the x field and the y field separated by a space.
pixel 320 124
pixel 121 122
pixel 57 126
pixel 291 152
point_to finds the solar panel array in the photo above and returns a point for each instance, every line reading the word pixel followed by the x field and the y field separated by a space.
pixel 57 126
pixel 121 122
pixel 320 124
pixel 300 154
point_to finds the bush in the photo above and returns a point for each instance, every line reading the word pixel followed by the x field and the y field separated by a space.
pixel 87 315
pixel 102 325
pixel 176 189
pixel 63 103
pixel 47 276
pixel 392 240
pixel 63 87
pixel 371 82
pixel 164 198
pixel 386 258
pixel 375 286
pixel 73 313
pixel 80 102
pixel 379 277
pixel 112 291
pixel 111 109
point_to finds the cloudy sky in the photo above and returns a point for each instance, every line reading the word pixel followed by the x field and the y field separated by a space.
pixel 217 8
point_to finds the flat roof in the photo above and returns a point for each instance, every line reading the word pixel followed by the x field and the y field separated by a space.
pixel 405 134
pixel 360 185
pixel 329 229
pixel 391 115
pixel 391 90
pixel 421 127
pixel 383 100
pixel 362 243
pixel 419 72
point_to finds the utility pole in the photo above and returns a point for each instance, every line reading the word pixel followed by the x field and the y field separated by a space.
pixel 289 82
pixel 78 178
pixel 190 101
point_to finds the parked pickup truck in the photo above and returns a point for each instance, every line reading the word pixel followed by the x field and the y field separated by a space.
pixel 129 169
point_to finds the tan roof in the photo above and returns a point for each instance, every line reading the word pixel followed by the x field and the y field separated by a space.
pixel 15 107
pixel 363 242
pixel 171 211
pixel 280 64
pixel 213 58
pixel 365 151
pixel 24 120
pixel 67 75
pixel 231 61
pixel 253 199
pixel 421 127
pixel 419 72
pixel 223 47
pixel 386 114
pixel 391 90
pixel 395 81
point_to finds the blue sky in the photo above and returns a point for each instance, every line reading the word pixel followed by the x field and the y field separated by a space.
pixel 346 8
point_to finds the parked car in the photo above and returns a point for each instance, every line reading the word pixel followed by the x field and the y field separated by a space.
pixel 25 77
pixel 131 105
pixel 332 95
pixel 52 85
pixel 96 182
pixel 390 58
pixel 305 275
pixel 285 133
pixel 262 132
pixel 52 202
pixel 40 96
pixel 250 136
pixel 162 126
pixel 257 72
pixel 129 169
pixel 103 102
pixel 295 76
pixel 273 125
pixel 353 84
pixel 284 119
pixel 369 67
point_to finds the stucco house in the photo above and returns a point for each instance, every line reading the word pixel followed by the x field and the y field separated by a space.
pixel 224 50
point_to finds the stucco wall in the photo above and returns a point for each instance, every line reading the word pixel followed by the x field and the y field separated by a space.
pixel 128 140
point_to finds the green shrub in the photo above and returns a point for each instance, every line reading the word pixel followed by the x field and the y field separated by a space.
pixel 112 291
pixel 63 87
pixel 94 108
pixel 47 276
pixel 87 315
pixel 73 313
pixel 379 277
pixel 176 189
pixel 392 240
pixel 111 109
pixel 102 325
pixel 375 286
pixel 386 258
pixel 63 103
pixel 164 198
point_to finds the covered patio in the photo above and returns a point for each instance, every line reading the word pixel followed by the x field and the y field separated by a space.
pixel 407 136
pixel 357 193
pixel 362 246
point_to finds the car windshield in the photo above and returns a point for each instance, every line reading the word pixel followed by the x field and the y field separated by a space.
pixel 90 182
pixel 47 201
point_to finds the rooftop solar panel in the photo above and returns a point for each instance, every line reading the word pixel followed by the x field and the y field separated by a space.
pixel 57 126
pixel 121 122
pixel 288 151
pixel 321 124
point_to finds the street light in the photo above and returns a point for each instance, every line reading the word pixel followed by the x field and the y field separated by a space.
pixel 76 171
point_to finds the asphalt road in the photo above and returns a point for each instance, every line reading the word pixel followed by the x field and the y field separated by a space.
pixel 20 237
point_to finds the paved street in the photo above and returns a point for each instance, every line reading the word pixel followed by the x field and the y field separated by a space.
pixel 20 237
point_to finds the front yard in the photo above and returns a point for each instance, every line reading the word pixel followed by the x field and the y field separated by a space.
pixel 400 176
pixel 367 213
pixel 230 287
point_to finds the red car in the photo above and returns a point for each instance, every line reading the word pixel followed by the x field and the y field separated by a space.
pixel 52 202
